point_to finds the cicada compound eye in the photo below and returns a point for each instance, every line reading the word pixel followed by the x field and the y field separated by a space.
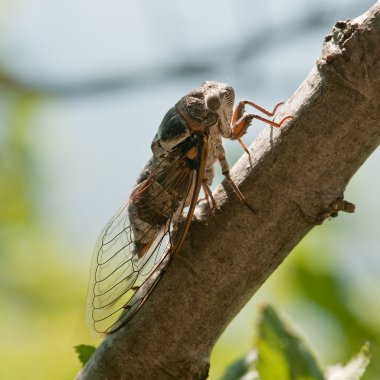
pixel 213 102
pixel 230 96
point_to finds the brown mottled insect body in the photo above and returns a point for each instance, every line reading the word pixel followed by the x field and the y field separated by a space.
pixel 177 135
pixel 157 198
pixel 135 247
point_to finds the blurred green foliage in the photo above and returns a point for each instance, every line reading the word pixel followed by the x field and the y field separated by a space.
pixel 41 291
pixel 84 352
pixel 328 291
pixel 16 164
pixel 280 353
pixel 242 367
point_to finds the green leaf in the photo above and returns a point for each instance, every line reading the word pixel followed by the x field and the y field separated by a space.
pixel 281 353
pixel 245 366
pixel 354 369
pixel 84 352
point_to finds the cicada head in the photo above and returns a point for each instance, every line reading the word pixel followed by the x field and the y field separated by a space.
pixel 208 105
pixel 220 98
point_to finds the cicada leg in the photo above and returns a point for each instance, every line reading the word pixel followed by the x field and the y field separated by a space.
pixel 240 121
pixel 236 190
pixel 261 109
pixel 272 123
pixel 244 146
pixel 208 196
pixel 226 172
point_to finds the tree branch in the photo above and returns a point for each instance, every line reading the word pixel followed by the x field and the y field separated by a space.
pixel 294 175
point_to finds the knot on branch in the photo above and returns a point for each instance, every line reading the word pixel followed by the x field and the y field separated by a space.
pixel 335 42
pixel 332 210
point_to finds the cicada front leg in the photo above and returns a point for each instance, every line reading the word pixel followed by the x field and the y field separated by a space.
pixel 240 121
pixel 226 172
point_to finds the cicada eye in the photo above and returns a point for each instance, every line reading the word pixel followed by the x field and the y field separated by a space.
pixel 230 96
pixel 213 102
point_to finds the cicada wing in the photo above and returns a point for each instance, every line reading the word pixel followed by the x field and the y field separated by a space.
pixel 117 271
pixel 143 291
pixel 122 275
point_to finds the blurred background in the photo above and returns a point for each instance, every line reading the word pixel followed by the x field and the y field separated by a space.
pixel 83 87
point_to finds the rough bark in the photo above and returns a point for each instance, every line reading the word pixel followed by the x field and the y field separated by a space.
pixel 293 175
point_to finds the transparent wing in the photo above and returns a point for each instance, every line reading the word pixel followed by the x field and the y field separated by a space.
pixel 134 248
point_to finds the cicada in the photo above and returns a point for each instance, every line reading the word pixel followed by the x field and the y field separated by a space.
pixel 135 247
